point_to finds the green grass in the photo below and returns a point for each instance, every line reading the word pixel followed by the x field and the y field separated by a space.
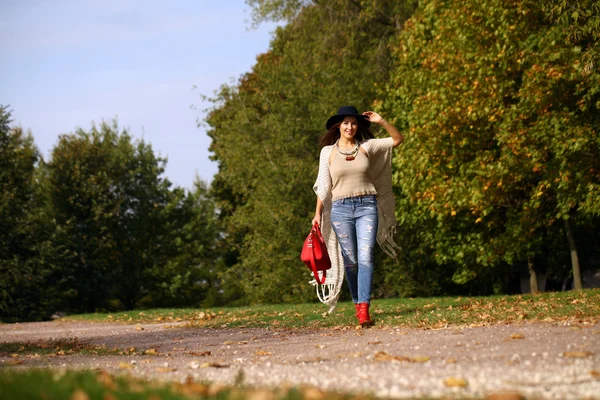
pixel 575 306
pixel 59 385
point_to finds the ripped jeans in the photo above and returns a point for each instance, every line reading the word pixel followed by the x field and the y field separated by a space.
pixel 354 221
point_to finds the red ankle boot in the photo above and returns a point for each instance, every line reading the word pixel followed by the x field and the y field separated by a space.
pixel 363 314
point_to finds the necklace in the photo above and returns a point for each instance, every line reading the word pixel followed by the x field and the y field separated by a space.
pixel 350 155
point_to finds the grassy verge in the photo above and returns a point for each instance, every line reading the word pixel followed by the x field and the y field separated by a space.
pixel 575 306
pixel 58 385
pixel 60 347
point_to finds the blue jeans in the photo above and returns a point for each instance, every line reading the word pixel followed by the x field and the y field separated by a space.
pixel 354 221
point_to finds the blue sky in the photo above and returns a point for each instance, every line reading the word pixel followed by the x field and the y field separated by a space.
pixel 67 63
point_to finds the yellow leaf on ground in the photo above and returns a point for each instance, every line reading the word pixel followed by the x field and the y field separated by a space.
pixel 595 374
pixel 263 353
pixel 151 352
pixel 199 353
pixel 505 396
pixel 165 369
pixel 577 354
pixel 124 365
pixel 517 336
pixel 456 382
pixel 106 380
pixel 15 362
pixel 419 359
pixel 312 393
pixel 80 395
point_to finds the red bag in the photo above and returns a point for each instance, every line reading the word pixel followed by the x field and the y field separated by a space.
pixel 314 253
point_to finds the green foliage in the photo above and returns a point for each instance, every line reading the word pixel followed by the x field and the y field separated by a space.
pixel 25 271
pixel 124 234
pixel 501 131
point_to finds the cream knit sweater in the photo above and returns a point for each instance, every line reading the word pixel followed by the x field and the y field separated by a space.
pixel 380 158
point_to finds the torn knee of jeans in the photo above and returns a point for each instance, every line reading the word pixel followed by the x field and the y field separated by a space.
pixel 369 219
pixel 343 235
pixel 335 223
pixel 369 228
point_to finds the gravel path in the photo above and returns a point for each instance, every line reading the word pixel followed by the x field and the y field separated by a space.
pixel 533 360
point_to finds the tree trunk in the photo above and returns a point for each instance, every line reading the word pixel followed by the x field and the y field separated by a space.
pixel 574 257
pixel 532 276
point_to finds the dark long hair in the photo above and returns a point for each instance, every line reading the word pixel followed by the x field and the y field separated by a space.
pixel 333 134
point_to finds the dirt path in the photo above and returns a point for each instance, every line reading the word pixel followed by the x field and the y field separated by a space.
pixel 535 360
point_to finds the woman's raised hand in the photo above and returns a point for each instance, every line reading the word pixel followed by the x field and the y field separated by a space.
pixel 373 117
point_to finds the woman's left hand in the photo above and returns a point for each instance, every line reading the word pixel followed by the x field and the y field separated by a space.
pixel 373 116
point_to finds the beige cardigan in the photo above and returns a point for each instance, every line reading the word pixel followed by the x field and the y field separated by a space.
pixel 379 152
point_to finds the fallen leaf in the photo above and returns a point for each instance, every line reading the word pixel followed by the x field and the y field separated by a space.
pixel 517 336
pixel 595 374
pixel 151 352
pixel 263 353
pixel 383 356
pixel 124 365
pixel 450 361
pixel 419 359
pixel 15 362
pixel 178 348
pixel 505 396
pixel 79 395
pixel 456 382
pixel 106 380
pixel 109 396
pixel 375 342
pixel 577 354
pixel 165 369
pixel 320 346
pixel 214 365
pixel 243 342
pixel 200 353
pixel 192 389
pixel 139 328
pixel 313 393
pixel 227 342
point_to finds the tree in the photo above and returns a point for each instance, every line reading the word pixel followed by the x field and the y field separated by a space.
pixel 497 114
pixel 25 272
pixel 117 216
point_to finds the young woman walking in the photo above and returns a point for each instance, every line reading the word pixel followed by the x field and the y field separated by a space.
pixel 355 198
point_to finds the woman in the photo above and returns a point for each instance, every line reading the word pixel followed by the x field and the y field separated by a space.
pixel 355 199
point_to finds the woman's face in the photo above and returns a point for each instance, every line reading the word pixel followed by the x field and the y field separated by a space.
pixel 348 128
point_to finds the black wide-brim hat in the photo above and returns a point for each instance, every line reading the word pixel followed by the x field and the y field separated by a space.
pixel 348 111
